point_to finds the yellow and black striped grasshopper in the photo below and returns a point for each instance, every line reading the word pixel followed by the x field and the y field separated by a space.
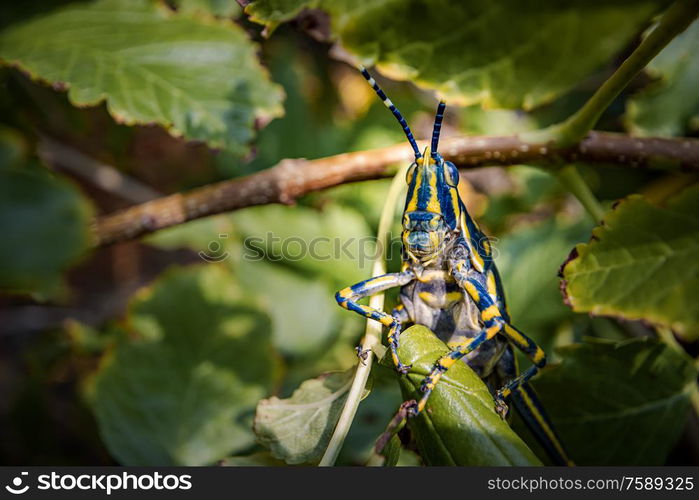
pixel 449 283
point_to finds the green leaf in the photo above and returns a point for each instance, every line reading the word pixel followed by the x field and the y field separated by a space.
pixel 618 403
pixel 389 456
pixel 334 242
pixel 459 426
pixel 198 78
pixel 209 237
pixel 502 54
pixel 44 225
pixel 529 261
pixel 642 263
pixel 303 311
pixel 180 389
pixel 13 147
pixel 259 459
pixel 669 106
pixel 218 8
pixel 298 429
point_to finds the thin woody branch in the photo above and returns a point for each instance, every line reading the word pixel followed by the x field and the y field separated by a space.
pixel 290 179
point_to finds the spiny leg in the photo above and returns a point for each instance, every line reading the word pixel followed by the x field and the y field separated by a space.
pixel 446 362
pixel 349 297
pixel 531 410
pixel 493 323
pixel 398 313
pixel 401 314
pixel 535 353
pixel 491 314
pixel 518 389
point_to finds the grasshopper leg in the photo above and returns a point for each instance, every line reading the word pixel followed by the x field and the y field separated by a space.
pixel 349 297
pixel 530 409
pixel 493 323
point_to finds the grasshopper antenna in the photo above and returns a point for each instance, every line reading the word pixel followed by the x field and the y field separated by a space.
pixel 393 109
pixel 437 128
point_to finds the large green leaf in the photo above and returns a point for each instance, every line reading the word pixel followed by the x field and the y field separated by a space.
pixel 334 242
pixel 198 78
pixel 528 261
pixel 669 106
pixel 218 8
pixel 181 387
pixel 13 147
pixel 259 459
pixel 618 403
pixel 642 263
pixel 303 311
pixel 459 425
pixel 298 429
pixel 503 54
pixel 44 226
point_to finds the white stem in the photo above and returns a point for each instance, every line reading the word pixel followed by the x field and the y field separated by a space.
pixel 372 334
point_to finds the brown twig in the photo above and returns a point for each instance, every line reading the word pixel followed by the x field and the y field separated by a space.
pixel 290 179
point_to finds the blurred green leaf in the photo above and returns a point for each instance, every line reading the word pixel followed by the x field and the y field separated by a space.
pixel 618 403
pixel 200 80
pixel 642 263
pixel 303 311
pixel 259 459
pixel 367 198
pixel 181 387
pixel 479 121
pixel 297 430
pixel 506 54
pixel 669 106
pixel 13 148
pixel 335 242
pixel 218 8
pixel 389 456
pixel 459 426
pixel 44 225
pixel 529 261
pixel 210 236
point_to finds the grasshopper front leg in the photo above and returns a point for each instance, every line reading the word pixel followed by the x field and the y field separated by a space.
pixel 349 297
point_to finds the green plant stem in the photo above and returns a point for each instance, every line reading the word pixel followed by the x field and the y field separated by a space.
pixel 673 22
pixel 573 181
pixel 372 333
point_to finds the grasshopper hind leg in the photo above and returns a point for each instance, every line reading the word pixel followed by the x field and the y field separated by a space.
pixel 528 406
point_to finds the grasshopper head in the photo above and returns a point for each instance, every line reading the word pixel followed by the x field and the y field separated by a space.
pixel 432 206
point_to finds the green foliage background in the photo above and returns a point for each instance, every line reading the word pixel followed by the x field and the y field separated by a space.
pixel 147 353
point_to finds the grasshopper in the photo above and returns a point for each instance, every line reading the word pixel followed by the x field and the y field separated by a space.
pixel 449 283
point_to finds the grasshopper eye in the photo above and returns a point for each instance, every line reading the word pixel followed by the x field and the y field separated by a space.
pixel 451 174
pixel 410 173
